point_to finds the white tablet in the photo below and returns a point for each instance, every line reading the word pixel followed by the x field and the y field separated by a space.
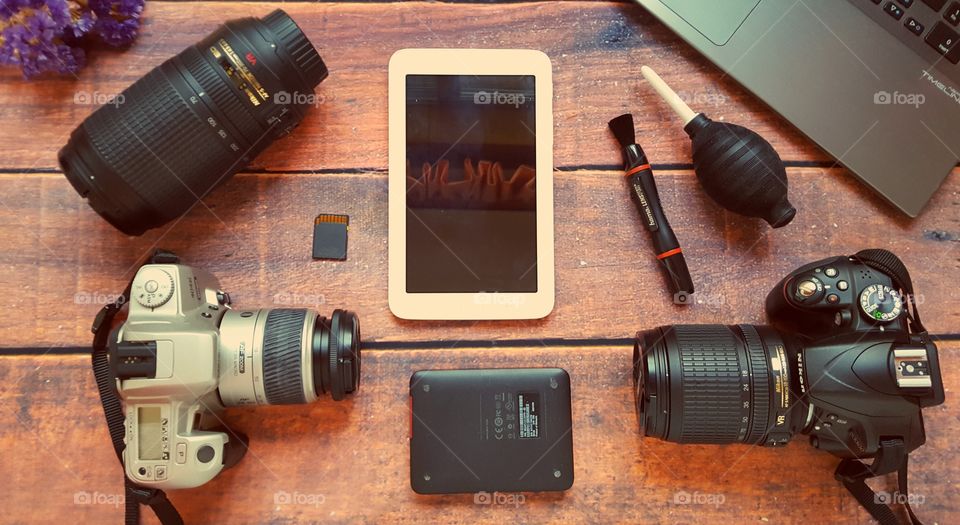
pixel 471 184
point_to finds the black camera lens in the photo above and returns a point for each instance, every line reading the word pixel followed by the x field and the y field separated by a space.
pixel 714 384
pixel 336 354
pixel 193 122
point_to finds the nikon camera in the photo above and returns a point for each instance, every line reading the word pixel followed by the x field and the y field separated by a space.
pixel 846 362
pixel 183 355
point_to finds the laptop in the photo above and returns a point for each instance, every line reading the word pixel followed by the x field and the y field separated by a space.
pixel 875 83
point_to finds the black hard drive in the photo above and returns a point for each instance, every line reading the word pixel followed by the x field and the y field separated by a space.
pixel 506 430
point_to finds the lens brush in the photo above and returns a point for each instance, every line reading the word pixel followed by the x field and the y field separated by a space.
pixel 736 167
pixel 643 191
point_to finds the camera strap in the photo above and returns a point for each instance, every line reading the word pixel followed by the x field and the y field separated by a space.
pixel 891 457
pixel 134 495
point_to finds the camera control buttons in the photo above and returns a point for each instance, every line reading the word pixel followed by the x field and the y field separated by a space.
pixel 843 318
pixel 830 272
pixel 181 453
pixel 808 290
pixel 843 285
pixel 153 287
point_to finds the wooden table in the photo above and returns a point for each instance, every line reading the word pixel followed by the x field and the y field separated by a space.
pixel 347 462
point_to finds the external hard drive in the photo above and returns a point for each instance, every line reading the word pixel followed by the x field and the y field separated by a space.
pixel 506 430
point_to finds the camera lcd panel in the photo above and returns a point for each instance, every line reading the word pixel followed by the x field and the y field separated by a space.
pixel 471 183
pixel 149 433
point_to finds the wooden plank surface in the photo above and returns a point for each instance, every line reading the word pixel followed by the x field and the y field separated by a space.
pixel 596 48
pixel 255 235
pixel 348 462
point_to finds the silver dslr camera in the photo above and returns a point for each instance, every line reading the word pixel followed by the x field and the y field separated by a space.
pixel 183 355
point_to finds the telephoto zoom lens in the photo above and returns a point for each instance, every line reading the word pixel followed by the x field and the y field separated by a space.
pixel 193 122
pixel 287 356
pixel 715 384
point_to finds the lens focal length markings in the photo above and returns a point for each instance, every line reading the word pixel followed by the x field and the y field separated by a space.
pixel 239 73
pixel 759 377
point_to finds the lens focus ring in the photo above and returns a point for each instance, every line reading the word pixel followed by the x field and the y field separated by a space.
pixel 283 357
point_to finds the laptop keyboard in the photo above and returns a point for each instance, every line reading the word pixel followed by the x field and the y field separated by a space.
pixel 935 22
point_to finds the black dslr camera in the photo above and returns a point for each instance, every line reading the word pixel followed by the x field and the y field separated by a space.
pixel 847 362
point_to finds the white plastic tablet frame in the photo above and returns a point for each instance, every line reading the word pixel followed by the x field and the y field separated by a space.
pixel 470 306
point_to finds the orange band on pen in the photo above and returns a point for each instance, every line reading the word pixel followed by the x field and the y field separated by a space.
pixel 638 169
pixel 670 253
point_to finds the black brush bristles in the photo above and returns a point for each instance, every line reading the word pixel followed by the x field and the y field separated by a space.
pixel 623 130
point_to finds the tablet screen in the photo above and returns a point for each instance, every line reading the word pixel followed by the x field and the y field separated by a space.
pixel 471 199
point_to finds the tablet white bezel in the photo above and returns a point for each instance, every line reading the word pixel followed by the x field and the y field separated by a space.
pixel 470 306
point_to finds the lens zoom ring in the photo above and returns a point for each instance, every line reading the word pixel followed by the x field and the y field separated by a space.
pixel 282 357
pixel 711 379
pixel 158 143
pixel 760 385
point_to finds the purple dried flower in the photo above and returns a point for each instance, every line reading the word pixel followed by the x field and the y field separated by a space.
pixel 44 35
pixel 117 33
pixel 81 24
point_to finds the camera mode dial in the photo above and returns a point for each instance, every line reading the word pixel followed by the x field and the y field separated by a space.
pixel 881 303
pixel 153 287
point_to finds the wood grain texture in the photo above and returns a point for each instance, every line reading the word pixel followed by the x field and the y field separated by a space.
pixel 596 48
pixel 62 261
pixel 348 462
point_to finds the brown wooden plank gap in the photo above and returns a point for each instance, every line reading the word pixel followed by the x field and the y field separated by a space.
pixel 262 250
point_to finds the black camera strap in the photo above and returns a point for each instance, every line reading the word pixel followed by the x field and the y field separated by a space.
pixel 891 457
pixel 134 495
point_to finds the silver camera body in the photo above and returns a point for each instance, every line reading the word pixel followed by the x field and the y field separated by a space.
pixel 183 355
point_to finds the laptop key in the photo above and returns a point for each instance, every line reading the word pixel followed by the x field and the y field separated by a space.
pixel 944 41
pixel 893 10
pixel 914 26
pixel 936 5
pixel 952 14
pixel 906 3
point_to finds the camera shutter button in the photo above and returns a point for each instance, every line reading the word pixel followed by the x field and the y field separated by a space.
pixel 808 290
